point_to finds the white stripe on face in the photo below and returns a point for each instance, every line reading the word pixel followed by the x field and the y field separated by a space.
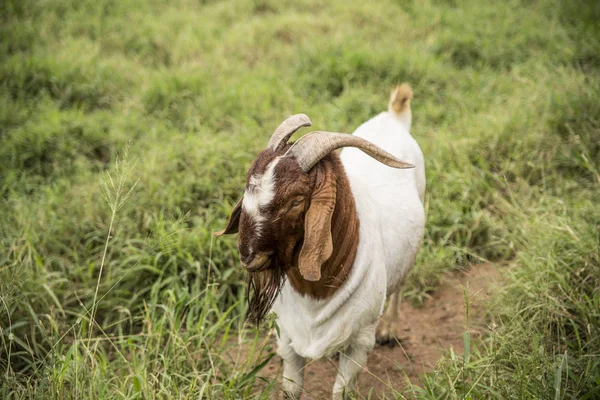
pixel 260 193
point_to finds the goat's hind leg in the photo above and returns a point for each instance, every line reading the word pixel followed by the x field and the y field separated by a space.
pixel 386 331
pixel 293 370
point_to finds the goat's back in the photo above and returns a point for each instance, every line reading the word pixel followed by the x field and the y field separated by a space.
pixel 388 200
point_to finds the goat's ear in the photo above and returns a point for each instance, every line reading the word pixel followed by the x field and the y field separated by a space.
pixel 234 220
pixel 318 244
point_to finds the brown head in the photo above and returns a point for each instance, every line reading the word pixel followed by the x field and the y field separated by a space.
pixel 284 218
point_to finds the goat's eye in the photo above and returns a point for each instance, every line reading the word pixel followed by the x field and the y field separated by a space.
pixel 297 202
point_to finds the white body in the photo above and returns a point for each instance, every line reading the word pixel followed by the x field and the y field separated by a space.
pixel 389 204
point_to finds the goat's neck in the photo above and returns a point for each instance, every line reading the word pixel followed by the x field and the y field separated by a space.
pixel 344 233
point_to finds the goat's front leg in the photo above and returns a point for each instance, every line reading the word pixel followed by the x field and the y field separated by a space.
pixel 293 370
pixel 352 362
pixel 386 332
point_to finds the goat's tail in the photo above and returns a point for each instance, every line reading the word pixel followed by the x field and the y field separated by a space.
pixel 400 99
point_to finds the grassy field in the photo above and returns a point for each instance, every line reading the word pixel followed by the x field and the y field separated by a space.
pixel 126 128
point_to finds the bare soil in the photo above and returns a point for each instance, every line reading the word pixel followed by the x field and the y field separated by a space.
pixel 425 333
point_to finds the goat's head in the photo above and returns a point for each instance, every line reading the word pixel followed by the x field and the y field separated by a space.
pixel 284 217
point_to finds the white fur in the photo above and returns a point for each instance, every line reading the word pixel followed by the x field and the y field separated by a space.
pixel 389 204
pixel 259 194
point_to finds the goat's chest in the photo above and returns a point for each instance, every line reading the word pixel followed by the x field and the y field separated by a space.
pixel 319 328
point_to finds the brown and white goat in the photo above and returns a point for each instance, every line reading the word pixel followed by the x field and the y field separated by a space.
pixel 326 237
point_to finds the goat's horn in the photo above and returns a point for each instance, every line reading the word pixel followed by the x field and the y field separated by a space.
pixel 312 147
pixel 286 129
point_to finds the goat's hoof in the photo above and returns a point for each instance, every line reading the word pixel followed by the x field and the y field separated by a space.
pixel 285 395
pixel 386 337
pixel 389 342
pixel 344 395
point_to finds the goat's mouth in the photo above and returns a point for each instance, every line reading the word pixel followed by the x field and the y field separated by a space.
pixel 259 263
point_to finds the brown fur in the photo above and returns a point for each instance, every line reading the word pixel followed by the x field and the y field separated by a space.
pixel 284 234
pixel 263 288
pixel 344 234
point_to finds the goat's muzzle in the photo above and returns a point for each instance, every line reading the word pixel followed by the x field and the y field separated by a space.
pixel 260 262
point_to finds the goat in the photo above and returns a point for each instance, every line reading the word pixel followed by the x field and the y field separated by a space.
pixel 343 229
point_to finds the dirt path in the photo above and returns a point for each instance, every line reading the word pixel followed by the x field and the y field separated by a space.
pixel 425 333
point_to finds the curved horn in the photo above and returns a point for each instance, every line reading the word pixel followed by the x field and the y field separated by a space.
pixel 310 148
pixel 287 129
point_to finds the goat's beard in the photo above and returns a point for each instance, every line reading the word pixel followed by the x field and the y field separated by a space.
pixel 263 289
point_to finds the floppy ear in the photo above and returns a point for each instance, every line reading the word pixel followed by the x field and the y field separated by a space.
pixel 234 220
pixel 318 244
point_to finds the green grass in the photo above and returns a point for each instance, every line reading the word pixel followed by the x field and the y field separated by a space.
pixel 183 94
